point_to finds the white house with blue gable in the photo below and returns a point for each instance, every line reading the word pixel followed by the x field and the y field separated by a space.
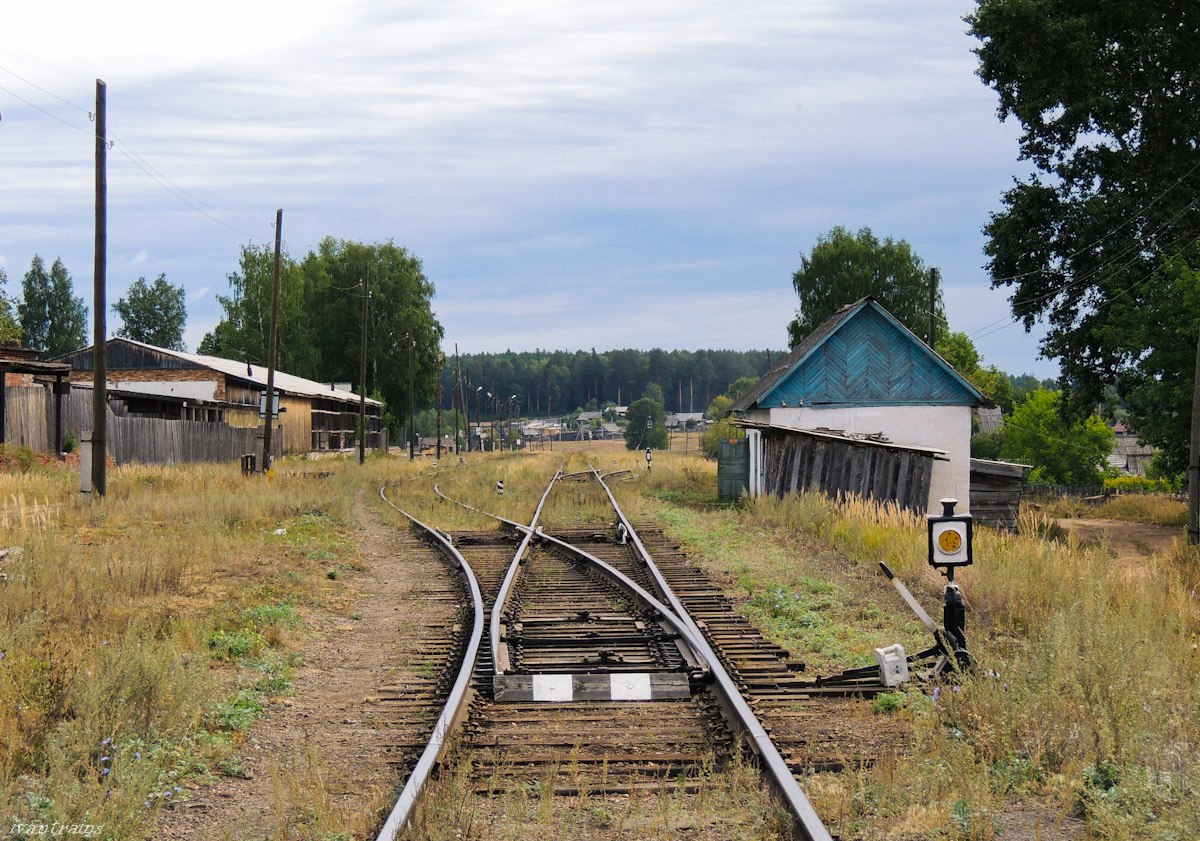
pixel 864 378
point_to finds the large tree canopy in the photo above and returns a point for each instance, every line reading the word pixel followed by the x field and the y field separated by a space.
pixel 52 318
pixel 154 313
pixel 1063 452
pixel 400 313
pixel 844 267
pixel 647 426
pixel 244 331
pixel 320 318
pixel 1098 240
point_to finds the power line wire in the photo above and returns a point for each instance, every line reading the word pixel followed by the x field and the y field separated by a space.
pixel 1011 320
pixel 134 157
pixel 1128 221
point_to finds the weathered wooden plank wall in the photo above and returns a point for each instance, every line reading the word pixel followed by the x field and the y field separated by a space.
pixel 30 421
pixel 996 491
pixel 795 463
pixel 25 417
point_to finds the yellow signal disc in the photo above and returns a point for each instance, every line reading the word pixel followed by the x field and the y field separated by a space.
pixel 950 541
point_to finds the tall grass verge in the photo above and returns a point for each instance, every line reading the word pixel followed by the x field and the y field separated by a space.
pixel 1084 699
pixel 142 632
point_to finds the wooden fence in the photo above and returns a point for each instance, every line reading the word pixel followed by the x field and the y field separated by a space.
pixel 1042 491
pixel 29 420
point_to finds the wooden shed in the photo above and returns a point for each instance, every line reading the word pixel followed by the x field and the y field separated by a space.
pixel 996 491
pixel 794 460
pixel 313 415
pixel 865 375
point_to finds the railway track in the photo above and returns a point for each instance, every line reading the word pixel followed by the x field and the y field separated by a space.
pixel 601 662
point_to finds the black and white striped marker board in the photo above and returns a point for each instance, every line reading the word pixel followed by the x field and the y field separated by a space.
pixel 616 686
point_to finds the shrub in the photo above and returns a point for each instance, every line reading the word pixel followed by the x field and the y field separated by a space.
pixel 1138 484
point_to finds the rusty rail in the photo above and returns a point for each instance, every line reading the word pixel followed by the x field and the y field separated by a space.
pixel 809 823
pixel 809 826
pixel 457 702
pixel 500 660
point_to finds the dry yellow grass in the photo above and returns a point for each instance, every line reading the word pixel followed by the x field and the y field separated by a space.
pixel 108 610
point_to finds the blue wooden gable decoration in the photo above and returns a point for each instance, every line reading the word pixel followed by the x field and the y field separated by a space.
pixel 867 359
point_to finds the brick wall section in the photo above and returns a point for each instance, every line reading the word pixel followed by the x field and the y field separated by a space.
pixel 158 376
pixel 17 380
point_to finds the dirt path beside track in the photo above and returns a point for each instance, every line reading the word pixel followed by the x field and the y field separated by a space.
pixel 319 758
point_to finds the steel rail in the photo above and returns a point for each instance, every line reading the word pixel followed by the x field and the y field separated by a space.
pixel 456 703
pixel 631 587
pixel 647 560
pixel 809 825
pixel 510 577
pixel 777 769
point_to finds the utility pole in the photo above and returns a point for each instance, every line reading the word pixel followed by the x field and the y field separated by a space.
pixel 1193 473
pixel 99 302
pixel 362 370
pixel 268 415
pixel 931 337
pixel 438 446
pixel 467 404
pixel 412 402
pixel 458 393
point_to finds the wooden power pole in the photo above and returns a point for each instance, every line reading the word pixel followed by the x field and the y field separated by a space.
pixel 438 445
pixel 1193 472
pixel 272 347
pixel 412 402
pixel 362 371
pixel 931 337
pixel 100 303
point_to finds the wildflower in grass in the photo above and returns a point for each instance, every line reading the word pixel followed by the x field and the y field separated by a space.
pixel 937 692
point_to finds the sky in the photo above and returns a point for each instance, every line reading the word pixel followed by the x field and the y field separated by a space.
pixel 571 175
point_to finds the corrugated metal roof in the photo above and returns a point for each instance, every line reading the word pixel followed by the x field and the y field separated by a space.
pixel 257 374
pixel 876 440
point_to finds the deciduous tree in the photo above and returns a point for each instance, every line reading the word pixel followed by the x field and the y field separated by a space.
pixel 10 329
pixel 844 267
pixel 647 426
pixel 1096 240
pixel 244 332
pixel 154 313
pixel 52 318
pixel 400 314
pixel 1062 452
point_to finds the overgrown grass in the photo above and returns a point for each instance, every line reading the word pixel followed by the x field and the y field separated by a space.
pixel 1155 509
pixel 731 804
pixel 1084 701
pixel 142 633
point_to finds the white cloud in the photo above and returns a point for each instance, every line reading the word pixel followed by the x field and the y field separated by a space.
pixel 541 157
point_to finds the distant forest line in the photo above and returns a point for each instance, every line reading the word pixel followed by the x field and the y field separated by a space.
pixel 548 383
